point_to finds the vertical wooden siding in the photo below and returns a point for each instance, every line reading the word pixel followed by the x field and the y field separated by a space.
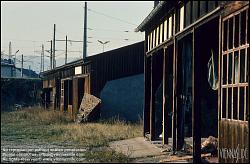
pixel 233 137
pixel 118 63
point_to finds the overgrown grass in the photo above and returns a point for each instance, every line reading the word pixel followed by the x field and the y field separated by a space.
pixel 106 155
pixel 39 125
pixel 49 125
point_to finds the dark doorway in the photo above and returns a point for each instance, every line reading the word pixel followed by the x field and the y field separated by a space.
pixel 206 43
pixel 80 91
pixel 47 97
pixel 168 94
pixel 70 92
pixel 184 89
pixel 66 94
pixel 157 95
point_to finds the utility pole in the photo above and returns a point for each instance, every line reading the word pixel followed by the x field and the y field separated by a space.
pixel 85 33
pixel 43 56
pixel 22 67
pixel 51 47
pixel 66 50
pixel 54 46
pixel 41 63
pixel 29 71
pixel 10 52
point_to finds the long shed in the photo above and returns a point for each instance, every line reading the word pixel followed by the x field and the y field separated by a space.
pixel 196 75
pixel 65 86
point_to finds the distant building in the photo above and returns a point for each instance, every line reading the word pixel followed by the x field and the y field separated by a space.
pixel 8 69
pixel 115 76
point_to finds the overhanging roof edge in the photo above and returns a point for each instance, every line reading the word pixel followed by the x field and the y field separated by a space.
pixel 150 16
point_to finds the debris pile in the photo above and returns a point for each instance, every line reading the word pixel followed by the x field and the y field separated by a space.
pixel 88 109
pixel 209 145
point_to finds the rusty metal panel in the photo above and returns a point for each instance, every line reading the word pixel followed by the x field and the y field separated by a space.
pixel 237 141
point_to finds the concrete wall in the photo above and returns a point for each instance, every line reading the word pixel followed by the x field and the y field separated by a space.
pixel 123 98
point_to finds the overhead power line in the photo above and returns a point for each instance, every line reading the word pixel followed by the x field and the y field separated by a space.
pixel 118 19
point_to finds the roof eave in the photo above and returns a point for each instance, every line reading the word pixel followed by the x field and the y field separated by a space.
pixel 141 27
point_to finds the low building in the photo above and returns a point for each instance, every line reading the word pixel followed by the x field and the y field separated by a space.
pixel 66 85
pixel 9 70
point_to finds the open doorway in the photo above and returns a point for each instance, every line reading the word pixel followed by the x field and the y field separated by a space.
pixel 184 89
pixel 157 94
pixel 67 95
pixel 81 84
pixel 207 42
pixel 205 83
pixel 168 93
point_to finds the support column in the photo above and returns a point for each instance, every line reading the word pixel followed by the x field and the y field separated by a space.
pixel 164 112
pixel 196 108
pixel 174 97
pixel 147 98
pixel 152 100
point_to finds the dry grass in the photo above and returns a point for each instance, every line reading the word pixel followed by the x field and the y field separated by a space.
pixel 98 134
pixel 36 115
pixel 37 125
pixel 49 125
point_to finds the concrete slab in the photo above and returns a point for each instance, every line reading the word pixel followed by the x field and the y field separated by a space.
pixel 136 148
pixel 144 151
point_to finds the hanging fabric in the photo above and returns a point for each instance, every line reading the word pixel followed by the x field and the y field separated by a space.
pixel 213 72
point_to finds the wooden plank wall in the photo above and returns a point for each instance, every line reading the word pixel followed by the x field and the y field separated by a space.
pixel 236 141
pixel 118 63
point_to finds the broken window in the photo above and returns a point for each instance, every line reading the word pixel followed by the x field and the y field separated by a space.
pixel 234 66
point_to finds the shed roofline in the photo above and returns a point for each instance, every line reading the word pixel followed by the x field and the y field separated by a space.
pixel 80 61
pixel 141 27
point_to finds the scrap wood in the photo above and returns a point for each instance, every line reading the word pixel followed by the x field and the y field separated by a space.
pixel 186 157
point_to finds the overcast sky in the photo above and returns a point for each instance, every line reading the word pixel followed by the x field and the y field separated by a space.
pixel 28 25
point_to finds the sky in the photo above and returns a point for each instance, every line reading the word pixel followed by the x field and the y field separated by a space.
pixel 28 25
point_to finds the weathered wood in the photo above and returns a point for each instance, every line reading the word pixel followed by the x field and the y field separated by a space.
pixel 181 159
pixel 164 113
pixel 147 84
pixel 237 140
pixel 174 96
pixel 75 97
pixel 152 101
